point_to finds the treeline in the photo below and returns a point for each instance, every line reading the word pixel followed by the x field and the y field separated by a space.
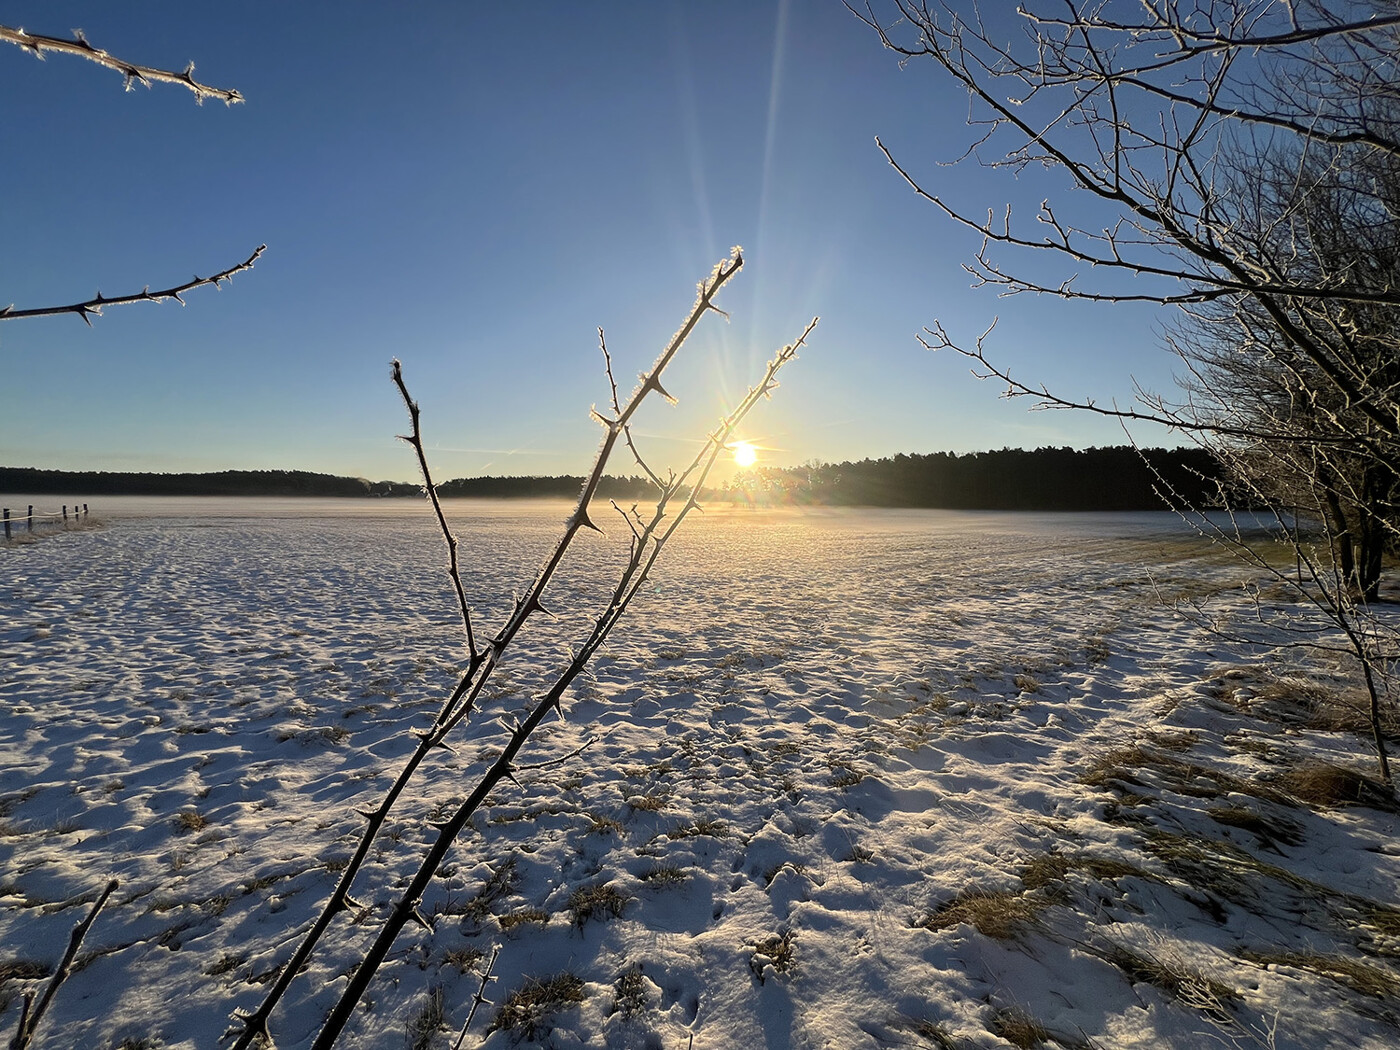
pixel 1115 478
pixel 221 483
pixel 29 480
pixel 564 486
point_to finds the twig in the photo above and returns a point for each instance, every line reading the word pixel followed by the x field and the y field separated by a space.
pixel 617 411
pixel 37 44
pixel 29 1021
pixel 416 440
pixel 93 307
pixel 633 577
pixel 479 999
pixel 253 1026
pixel 561 759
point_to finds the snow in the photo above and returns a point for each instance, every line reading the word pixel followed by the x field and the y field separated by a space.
pixel 860 778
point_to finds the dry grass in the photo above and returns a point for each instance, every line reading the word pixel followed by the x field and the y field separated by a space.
pixel 1018 1028
pixel 427 1021
pixel 528 1012
pixel 1271 829
pixel 1050 870
pixel 1336 705
pixel 1327 786
pixel 1182 982
pixel 463 960
pixel 604 826
pixel 1356 975
pixel 713 828
pixel 1128 765
pixel 522 916
pixel 665 875
pixel 629 991
pixel 601 902
pixel 995 913
pixel 188 821
pixel 501 883
pixel 772 955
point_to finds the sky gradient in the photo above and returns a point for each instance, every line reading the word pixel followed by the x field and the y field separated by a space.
pixel 474 189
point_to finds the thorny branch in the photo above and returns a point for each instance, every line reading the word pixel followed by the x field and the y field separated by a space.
pixel 617 411
pixel 642 558
pixel 29 1019
pixel 415 439
pixel 479 999
pixel 252 1027
pixel 93 307
pixel 37 44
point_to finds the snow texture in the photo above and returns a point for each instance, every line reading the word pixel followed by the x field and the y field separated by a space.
pixel 853 779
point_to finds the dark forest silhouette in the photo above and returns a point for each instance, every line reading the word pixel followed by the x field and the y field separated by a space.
pixel 1117 478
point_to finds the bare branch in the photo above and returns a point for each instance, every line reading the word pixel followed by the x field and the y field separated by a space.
pixel 29 1021
pixel 93 307
pixel 37 44
pixel 415 439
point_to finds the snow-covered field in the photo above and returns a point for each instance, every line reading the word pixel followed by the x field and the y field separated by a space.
pixel 854 779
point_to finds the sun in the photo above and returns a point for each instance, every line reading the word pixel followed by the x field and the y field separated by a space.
pixel 745 455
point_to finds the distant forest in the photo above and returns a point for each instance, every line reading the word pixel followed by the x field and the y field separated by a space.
pixel 223 483
pixel 1117 478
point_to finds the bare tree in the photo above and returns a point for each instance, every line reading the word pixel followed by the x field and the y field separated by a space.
pixel 1239 161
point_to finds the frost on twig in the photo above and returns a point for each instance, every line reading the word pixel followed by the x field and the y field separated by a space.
pixel 647 541
pixel 649 538
pixel 37 44
pixel 91 308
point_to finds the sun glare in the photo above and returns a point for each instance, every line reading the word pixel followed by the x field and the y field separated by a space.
pixel 745 455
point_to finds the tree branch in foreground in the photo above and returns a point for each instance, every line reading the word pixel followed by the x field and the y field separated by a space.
pixel 646 547
pixel 37 44
pixel 29 1019
pixel 251 1027
pixel 93 307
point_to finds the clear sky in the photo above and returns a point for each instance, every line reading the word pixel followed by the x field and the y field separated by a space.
pixel 474 188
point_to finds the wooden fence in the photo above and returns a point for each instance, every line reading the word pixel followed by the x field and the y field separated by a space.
pixel 54 518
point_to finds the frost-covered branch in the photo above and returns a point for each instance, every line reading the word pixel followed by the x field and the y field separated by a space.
pixel 643 555
pixel 93 307
pixel 487 658
pixel 37 44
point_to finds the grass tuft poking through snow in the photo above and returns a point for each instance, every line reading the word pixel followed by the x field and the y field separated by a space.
pixel 530 1012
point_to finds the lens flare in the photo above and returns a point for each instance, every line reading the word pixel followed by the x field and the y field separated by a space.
pixel 745 455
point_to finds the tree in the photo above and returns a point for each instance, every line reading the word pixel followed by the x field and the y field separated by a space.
pixel 1239 157
pixel 1326 216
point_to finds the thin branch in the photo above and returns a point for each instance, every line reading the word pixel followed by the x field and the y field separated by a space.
pixel 93 307
pixel 632 578
pixel 415 439
pixel 29 1021
pixel 617 411
pixel 479 999
pixel 253 1027
pixel 560 760
pixel 37 44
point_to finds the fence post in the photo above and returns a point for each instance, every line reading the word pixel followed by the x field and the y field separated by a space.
pixel 29 521
pixel 65 514
pixel 7 523
pixel 85 510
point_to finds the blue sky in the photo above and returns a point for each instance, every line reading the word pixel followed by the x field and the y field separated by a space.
pixel 474 188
